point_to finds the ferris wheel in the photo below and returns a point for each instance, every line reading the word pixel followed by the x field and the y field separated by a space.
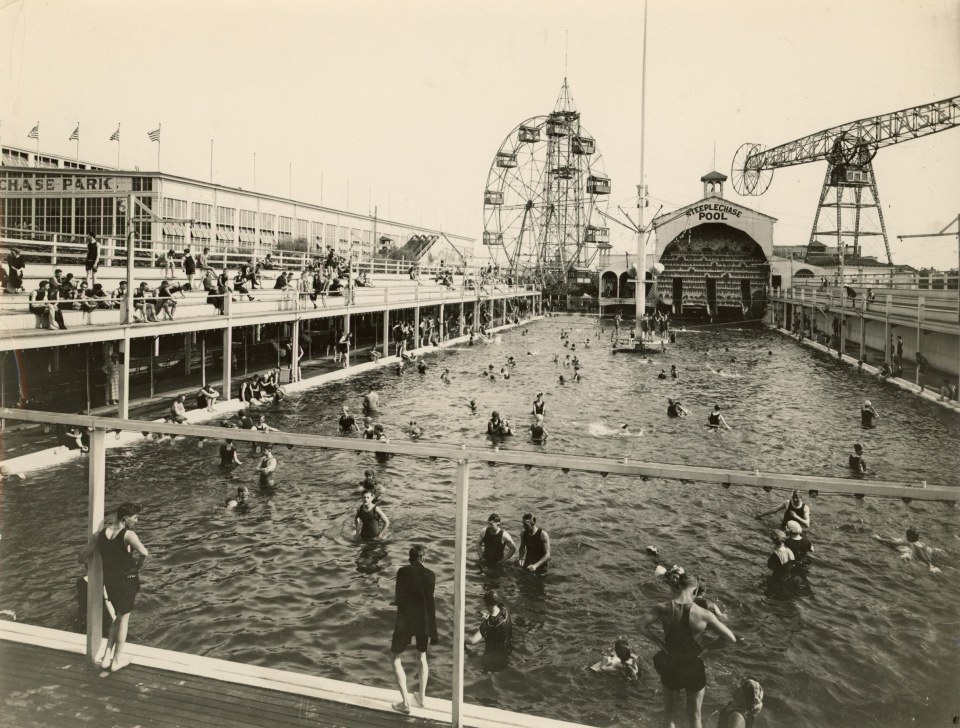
pixel 545 191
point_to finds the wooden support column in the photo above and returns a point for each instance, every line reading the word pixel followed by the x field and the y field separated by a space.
pixel 440 323
pixel 187 352
pixel 346 330
pixel 227 364
pixel 295 351
pixel 916 356
pixel 463 316
pixel 96 488
pixel 863 327
pixel 386 332
pixel 416 322
pixel 123 409
pixel 459 591
pixel 887 354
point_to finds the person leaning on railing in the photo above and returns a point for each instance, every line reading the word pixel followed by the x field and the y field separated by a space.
pixel 15 265
pixel 306 286
pixel 143 304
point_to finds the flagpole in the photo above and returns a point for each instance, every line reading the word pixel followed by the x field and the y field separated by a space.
pixel 78 144
pixel 159 127
pixel 211 161
pixel 118 145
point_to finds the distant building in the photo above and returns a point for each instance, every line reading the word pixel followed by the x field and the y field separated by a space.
pixel 43 196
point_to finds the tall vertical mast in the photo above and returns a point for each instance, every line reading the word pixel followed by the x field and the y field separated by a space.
pixel 641 240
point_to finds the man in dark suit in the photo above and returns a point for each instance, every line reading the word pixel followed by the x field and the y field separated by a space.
pixel 416 618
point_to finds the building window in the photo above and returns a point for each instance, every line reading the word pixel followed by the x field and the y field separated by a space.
pixel 202 213
pixel 248 219
pixel 226 216
pixel 248 230
pixel 267 223
pixel 142 184
pixel 174 209
pixel 303 230
pixel 286 229
pixel 316 235
pixel 13 158
pixel 330 240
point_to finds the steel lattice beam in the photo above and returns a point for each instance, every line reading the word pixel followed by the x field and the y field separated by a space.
pixel 871 133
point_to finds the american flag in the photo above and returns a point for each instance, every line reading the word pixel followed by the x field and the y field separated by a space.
pixel 154 135
pixel 35 132
pixel 115 137
pixel 75 137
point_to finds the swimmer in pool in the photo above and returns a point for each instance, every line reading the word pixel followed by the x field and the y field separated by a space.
pixel 371 401
pixel 421 366
pixel 868 414
pixel 561 380
pixel 744 706
pixel 674 409
pixel 267 467
pixel 912 547
pixel 473 406
pixel 228 454
pixel 662 374
pixel 497 426
pixel 347 422
pixel 240 499
pixel 673 371
pixel 856 462
pixel 715 420
pixel 537 431
pixel 415 430
pixel 622 661
pixel 504 373
pixel 445 377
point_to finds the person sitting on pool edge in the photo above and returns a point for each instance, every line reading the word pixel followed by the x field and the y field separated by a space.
pixel 913 547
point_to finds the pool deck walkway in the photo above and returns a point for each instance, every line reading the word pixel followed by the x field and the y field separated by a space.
pixel 46 681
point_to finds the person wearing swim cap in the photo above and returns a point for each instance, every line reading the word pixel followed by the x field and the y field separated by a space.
pixel 868 414
pixel 781 561
pixel 496 626
pixel 678 662
pixel 798 543
pixel 538 404
pixel 495 545
pixel 744 706
pixel 122 555
pixel 793 510
pixel 914 547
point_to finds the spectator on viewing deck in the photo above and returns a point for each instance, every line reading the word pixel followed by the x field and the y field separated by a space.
pixel 16 264
pixel 92 262
pixel 178 413
pixel 165 299
pixel 268 263
pixel 414 273
pixel 144 308
pixel 41 304
pixel 203 260
pixel 306 287
pixel 120 293
pixel 416 619
pixel 241 278
pixel 122 555
pixel 167 261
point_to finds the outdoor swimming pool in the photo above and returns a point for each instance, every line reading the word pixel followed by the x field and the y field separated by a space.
pixel 868 641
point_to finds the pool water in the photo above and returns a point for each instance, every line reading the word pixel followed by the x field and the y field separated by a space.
pixel 864 639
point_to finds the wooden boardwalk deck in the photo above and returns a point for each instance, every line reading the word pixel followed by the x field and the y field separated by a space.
pixel 45 682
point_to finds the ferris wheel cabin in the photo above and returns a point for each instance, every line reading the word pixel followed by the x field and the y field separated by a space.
pixel 529 134
pixel 598 184
pixel 506 160
pixel 564 172
pixel 584 145
pixel 492 238
pixel 493 197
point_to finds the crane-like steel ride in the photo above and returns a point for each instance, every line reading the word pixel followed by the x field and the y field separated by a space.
pixel 544 195
pixel 849 150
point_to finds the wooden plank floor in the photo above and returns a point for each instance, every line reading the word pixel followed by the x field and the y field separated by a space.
pixel 41 687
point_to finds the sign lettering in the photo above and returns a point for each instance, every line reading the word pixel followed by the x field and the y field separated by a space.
pixel 39 184
pixel 714 211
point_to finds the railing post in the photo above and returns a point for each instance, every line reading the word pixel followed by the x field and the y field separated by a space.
pixel 863 326
pixel 96 487
pixel 227 362
pixel 123 406
pixel 919 334
pixel 53 257
pixel 886 330
pixel 459 591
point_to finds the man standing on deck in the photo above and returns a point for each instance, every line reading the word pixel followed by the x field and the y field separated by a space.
pixel 416 617
pixel 678 662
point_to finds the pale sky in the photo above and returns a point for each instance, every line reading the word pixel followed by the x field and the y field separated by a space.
pixel 409 101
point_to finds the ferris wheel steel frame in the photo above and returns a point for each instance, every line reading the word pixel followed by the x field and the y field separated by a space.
pixel 541 196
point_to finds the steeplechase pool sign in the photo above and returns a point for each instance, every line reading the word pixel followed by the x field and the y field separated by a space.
pixel 715 211
pixel 32 185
